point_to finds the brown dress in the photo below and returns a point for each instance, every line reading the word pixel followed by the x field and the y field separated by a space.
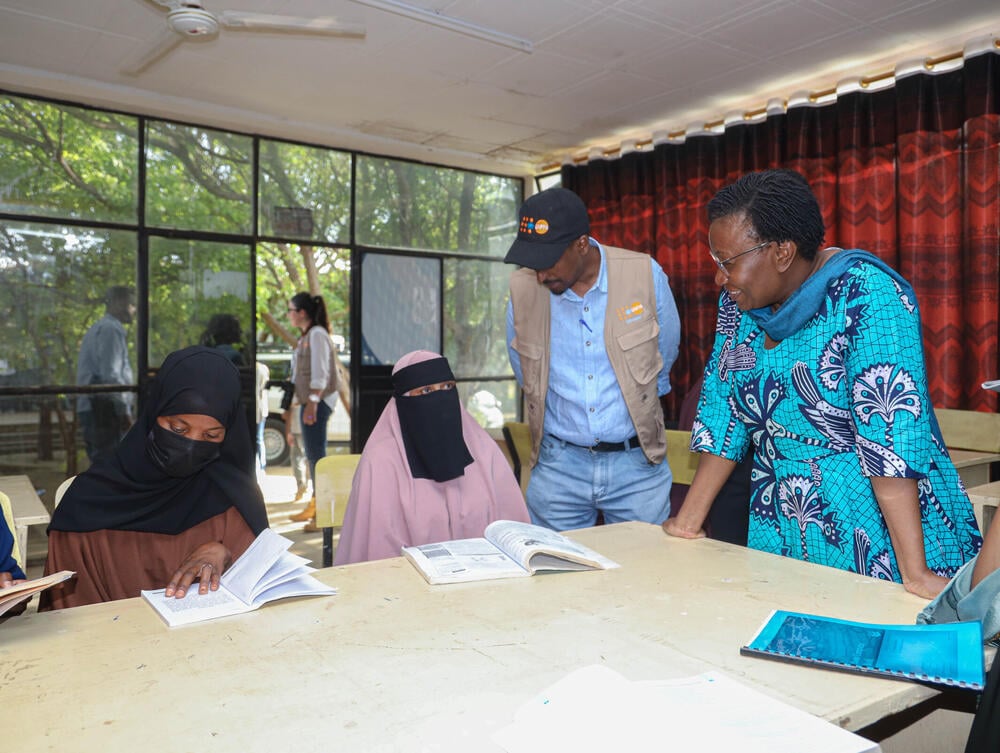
pixel 111 564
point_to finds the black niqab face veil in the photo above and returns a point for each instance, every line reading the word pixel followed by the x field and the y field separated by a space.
pixel 431 424
pixel 129 490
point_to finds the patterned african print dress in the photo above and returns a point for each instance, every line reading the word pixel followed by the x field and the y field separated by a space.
pixel 842 399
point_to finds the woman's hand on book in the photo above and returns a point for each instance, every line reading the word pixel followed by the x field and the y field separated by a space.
pixel 7 580
pixel 205 564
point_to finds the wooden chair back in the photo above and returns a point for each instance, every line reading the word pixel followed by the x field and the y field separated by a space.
pixel 334 475
pixel 518 438
pixel 8 516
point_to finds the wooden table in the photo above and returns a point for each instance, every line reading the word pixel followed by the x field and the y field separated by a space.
pixel 28 508
pixel 973 465
pixel 392 664
pixel 985 500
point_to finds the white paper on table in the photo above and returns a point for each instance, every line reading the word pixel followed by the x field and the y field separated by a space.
pixel 595 709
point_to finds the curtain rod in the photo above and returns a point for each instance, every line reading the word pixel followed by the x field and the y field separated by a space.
pixel 866 81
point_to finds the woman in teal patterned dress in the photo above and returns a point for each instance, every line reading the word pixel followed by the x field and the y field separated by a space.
pixel 818 369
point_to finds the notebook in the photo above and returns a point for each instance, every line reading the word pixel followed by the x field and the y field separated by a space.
pixel 949 654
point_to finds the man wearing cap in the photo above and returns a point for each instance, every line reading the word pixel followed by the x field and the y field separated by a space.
pixel 592 332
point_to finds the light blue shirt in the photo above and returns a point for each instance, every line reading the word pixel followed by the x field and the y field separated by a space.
pixel 104 360
pixel 584 404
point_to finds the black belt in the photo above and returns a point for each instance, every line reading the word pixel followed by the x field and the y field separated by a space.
pixel 628 444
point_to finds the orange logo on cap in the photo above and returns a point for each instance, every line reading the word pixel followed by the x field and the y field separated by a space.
pixel 541 227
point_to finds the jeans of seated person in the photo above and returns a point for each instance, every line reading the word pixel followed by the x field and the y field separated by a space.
pixel 570 484
pixel 314 438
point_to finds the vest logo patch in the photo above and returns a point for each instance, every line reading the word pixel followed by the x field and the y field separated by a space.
pixel 631 313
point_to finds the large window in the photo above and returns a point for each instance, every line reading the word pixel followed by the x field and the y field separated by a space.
pixel 212 232
pixel 198 179
pixel 411 206
pixel 59 161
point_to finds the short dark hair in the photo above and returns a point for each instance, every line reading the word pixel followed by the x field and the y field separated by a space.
pixel 779 205
pixel 222 329
pixel 118 295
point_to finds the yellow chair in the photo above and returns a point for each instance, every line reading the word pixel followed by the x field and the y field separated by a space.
pixel 518 438
pixel 8 516
pixel 683 462
pixel 334 475
pixel 61 490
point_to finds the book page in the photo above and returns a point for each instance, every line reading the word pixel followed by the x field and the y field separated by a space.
pixel 246 572
pixel 462 560
pixel 194 607
pixel 11 596
pixel 524 543
pixel 301 584
pixel 287 567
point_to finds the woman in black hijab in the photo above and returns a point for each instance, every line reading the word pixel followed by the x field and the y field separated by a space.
pixel 175 503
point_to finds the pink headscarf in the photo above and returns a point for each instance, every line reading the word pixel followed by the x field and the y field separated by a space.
pixel 389 509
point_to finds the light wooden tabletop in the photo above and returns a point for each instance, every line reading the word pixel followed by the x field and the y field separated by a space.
pixel 28 508
pixel 393 664
pixel 967 458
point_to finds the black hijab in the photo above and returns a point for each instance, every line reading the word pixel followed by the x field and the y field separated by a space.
pixel 431 424
pixel 128 491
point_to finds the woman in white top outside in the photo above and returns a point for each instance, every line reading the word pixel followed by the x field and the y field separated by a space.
pixel 314 374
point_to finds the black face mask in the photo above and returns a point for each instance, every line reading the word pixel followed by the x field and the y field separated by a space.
pixel 179 456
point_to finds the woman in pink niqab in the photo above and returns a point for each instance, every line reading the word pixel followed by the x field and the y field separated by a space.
pixel 428 472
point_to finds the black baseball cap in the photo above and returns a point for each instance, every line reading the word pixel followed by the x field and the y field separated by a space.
pixel 548 222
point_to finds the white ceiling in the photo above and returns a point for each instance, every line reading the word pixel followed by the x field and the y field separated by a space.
pixel 600 71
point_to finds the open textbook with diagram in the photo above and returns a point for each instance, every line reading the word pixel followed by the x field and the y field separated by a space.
pixel 264 572
pixel 508 549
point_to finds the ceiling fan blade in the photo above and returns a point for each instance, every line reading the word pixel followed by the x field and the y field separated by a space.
pixel 327 26
pixel 166 4
pixel 163 44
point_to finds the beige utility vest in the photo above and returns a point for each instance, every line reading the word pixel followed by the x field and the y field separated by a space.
pixel 303 370
pixel 632 345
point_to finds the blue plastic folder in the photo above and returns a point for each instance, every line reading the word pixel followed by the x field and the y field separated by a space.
pixel 949 654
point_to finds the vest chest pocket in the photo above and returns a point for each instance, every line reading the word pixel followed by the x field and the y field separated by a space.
pixel 641 348
pixel 531 364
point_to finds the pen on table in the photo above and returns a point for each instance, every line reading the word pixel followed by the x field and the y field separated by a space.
pixel 586 325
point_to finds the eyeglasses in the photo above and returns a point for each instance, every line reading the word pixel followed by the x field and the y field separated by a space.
pixel 722 264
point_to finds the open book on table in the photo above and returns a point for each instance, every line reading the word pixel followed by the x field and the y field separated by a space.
pixel 508 549
pixel 264 572
pixel 13 595
pixel 944 654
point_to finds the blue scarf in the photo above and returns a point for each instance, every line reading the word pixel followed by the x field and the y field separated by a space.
pixel 803 304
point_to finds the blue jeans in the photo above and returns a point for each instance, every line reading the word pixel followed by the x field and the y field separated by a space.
pixel 314 438
pixel 570 484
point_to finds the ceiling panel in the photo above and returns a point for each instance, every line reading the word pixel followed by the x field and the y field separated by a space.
pixel 601 70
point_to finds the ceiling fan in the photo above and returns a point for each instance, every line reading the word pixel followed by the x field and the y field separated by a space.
pixel 189 20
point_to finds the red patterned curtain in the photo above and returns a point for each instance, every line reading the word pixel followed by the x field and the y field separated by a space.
pixel 911 173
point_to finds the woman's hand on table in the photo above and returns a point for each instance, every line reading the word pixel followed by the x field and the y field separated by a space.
pixel 205 564
pixel 672 528
pixel 926 584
